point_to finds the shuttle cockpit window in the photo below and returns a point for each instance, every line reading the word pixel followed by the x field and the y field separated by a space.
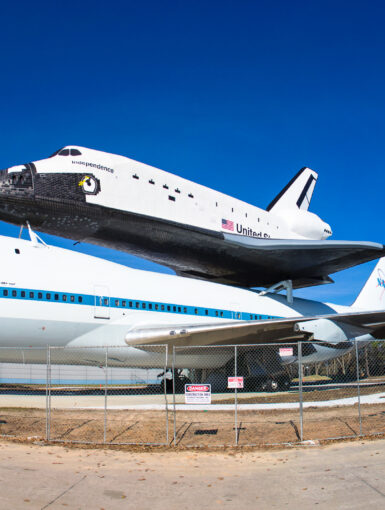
pixel 66 152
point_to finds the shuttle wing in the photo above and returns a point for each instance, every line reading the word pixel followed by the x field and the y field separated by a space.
pixel 251 332
pixel 264 262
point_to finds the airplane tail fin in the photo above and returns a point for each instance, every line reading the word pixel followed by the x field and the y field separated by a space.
pixel 297 193
pixel 372 295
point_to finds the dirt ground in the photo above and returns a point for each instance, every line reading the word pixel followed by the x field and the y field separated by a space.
pixel 193 428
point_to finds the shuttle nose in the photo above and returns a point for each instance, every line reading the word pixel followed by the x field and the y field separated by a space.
pixel 15 178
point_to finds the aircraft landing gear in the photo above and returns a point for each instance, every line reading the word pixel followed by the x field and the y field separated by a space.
pixel 179 378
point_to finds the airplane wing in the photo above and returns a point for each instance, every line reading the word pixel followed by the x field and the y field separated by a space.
pixel 251 332
pixel 252 262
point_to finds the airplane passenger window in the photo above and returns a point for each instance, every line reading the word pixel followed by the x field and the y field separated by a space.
pixel 40 295
pixel 206 312
pixel 184 310
pixel 72 298
pixel 124 303
pixel 179 309
pixel 156 307
pixel 137 305
pixel 216 313
pixel 143 305
pixel 64 297
pixel 105 301
pixel 75 152
pixel 31 295
pixel 48 295
pixel 22 293
pixel 174 308
pixel 64 152
pixel 221 314
pixel 56 297
pixel 168 308
pixel 130 304
pixel 162 307
pixel 80 299
pixel 150 306
pixel 14 293
pixel 196 311
pixel 5 293
pixel 116 302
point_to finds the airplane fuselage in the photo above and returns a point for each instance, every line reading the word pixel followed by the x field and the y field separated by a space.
pixel 51 296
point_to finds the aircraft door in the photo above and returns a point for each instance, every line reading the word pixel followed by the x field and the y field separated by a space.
pixel 102 302
pixel 235 311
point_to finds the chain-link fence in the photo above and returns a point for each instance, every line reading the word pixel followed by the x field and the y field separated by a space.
pixel 194 396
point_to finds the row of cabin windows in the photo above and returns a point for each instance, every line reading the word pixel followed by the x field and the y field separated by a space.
pixel 161 307
pixel 124 303
pixel 47 295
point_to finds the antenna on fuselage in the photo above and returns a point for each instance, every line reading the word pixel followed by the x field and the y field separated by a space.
pixel 34 237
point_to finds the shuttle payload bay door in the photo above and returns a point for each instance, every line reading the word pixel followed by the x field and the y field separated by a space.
pixel 102 302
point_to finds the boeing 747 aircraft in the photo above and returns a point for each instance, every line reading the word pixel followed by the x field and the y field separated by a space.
pixel 92 196
pixel 57 297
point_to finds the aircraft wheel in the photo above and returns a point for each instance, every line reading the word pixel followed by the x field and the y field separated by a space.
pixel 270 385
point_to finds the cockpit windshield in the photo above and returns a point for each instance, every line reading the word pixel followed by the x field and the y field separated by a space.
pixel 66 152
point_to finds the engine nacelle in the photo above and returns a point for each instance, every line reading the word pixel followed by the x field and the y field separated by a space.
pixel 305 223
pixel 326 330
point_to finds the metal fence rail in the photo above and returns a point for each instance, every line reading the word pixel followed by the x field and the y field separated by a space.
pixel 291 393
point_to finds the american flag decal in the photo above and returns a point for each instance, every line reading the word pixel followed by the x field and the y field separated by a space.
pixel 228 225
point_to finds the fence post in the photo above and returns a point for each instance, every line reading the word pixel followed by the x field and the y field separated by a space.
pixel 300 389
pixel 165 390
pixel 236 397
pixel 105 396
pixel 47 403
pixel 358 388
pixel 173 391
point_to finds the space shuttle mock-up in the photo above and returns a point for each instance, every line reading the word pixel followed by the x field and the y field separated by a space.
pixel 114 201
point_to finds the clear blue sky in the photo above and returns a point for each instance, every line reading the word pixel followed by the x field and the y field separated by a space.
pixel 236 95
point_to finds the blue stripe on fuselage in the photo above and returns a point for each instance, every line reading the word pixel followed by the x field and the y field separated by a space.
pixel 48 296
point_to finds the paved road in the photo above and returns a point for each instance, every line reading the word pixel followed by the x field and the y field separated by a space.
pixel 157 402
pixel 343 476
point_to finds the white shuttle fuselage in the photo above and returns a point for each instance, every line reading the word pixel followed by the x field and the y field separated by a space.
pixel 120 183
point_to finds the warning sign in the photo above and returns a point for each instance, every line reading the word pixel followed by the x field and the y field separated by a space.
pixel 285 351
pixel 235 382
pixel 197 393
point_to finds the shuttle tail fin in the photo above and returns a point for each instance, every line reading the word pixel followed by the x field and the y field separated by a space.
pixel 297 193
pixel 372 295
